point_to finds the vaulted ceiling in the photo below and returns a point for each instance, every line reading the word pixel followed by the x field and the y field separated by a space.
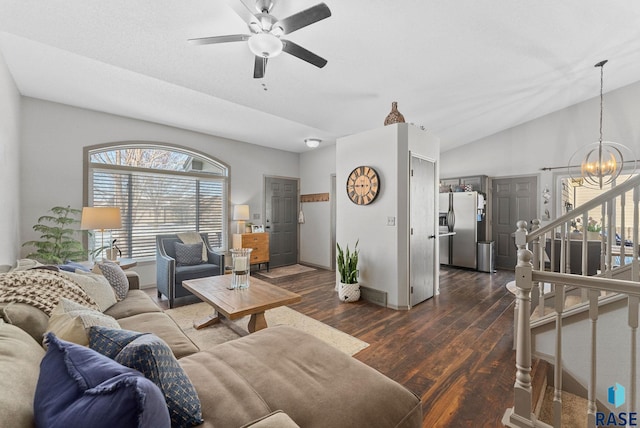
pixel 463 69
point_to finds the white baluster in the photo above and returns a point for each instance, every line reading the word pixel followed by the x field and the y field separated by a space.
pixel 522 388
pixel 591 389
pixel 557 370
pixel 634 303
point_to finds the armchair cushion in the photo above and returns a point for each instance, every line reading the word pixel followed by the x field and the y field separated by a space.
pixel 188 254
pixel 184 273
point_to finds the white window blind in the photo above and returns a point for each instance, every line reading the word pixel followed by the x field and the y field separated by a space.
pixel 155 202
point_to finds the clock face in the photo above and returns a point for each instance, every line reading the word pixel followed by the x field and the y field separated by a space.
pixel 363 185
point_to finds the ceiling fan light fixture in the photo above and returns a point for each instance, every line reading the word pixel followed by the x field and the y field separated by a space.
pixel 265 45
pixel 312 142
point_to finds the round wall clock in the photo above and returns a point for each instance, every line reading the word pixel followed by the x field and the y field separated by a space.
pixel 363 185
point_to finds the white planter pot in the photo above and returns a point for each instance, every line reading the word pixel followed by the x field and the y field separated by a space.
pixel 349 292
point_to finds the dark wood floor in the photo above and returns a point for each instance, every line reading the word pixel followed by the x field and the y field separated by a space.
pixel 454 350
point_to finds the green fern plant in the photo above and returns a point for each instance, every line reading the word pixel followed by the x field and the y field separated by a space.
pixel 348 264
pixel 57 243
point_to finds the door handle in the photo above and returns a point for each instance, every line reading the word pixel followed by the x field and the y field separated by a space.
pixel 432 236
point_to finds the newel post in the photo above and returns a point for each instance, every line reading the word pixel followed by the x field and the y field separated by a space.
pixel 520 415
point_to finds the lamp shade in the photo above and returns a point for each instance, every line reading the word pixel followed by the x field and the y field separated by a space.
pixel 240 212
pixel 100 218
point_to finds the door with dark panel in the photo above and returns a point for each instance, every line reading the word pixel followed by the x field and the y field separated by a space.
pixel 281 200
pixel 513 199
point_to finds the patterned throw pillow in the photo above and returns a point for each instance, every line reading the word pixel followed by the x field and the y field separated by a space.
pixel 71 321
pixel 151 356
pixel 116 277
pixel 110 342
pixel 78 387
pixel 188 254
pixel 96 286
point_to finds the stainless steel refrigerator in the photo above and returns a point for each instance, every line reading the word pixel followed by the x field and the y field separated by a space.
pixel 459 249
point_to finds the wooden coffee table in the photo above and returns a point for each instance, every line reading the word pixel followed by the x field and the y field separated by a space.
pixel 233 304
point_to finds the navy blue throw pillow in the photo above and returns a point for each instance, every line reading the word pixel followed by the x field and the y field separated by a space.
pixel 152 357
pixel 78 387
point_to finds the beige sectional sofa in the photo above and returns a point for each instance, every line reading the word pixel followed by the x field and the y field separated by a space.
pixel 277 377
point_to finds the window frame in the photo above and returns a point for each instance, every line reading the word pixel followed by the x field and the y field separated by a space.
pixel 223 177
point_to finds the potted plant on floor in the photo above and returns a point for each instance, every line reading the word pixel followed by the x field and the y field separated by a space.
pixel 57 243
pixel 348 288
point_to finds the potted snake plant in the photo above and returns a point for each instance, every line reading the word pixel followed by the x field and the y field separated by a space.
pixel 348 288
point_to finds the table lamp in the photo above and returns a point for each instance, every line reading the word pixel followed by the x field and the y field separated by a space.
pixel 101 218
pixel 240 214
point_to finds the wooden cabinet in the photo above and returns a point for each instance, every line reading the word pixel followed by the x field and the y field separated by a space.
pixel 259 242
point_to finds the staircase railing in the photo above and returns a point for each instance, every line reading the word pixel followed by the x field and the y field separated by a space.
pixel 617 266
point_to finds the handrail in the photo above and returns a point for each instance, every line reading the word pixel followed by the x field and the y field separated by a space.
pixel 590 282
pixel 530 275
pixel 586 207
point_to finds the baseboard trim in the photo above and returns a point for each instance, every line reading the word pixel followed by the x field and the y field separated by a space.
pixel 374 296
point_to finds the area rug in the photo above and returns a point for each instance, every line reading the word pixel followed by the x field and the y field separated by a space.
pixel 209 337
pixel 283 271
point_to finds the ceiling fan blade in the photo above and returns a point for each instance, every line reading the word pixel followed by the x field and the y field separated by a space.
pixel 219 39
pixel 304 18
pixel 260 67
pixel 242 10
pixel 302 53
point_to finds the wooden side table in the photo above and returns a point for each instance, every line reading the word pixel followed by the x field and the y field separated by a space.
pixel 258 242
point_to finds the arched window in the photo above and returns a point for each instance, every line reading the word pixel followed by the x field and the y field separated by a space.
pixel 159 189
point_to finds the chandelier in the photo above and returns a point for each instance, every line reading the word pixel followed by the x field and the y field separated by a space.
pixel 601 162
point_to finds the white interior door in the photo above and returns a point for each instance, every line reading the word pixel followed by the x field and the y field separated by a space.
pixel 422 240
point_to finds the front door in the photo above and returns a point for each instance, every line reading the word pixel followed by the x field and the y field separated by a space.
pixel 281 209
pixel 513 199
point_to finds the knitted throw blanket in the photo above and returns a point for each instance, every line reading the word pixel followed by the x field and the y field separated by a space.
pixel 42 289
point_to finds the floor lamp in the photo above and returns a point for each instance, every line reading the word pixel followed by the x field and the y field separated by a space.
pixel 101 218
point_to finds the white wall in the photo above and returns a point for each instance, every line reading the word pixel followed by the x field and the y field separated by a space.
pixel 53 136
pixel 384 250
pixel 316 167
pixel 549 141
pixel 9 167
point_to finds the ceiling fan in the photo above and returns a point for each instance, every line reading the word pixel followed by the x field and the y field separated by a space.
pixel 264 40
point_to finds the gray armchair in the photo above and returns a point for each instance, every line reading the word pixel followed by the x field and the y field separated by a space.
pixel 169 275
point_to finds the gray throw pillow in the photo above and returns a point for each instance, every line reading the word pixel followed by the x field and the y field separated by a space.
pixel 116 277
pixel 188 254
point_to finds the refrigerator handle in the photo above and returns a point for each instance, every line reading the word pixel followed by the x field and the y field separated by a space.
pixel 451 217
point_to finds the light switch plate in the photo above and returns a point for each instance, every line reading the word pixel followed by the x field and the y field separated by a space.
pixel 391 221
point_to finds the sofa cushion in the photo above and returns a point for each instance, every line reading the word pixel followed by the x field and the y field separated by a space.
pixel 71 321
pixel 20 358
pixel 277 419
pixel 163 326
pixel 96 286
pixel 80 387
pixel 188 254
pixel 153 358
pixel 27 317
pixel 137 302
pixel 116 277
pixel 219 388
pixel 284 365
